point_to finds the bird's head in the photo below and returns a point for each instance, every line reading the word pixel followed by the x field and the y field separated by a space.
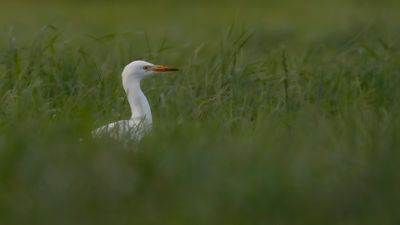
pixel 138 70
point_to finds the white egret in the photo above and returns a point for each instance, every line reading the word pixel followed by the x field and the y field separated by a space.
pixel 141 119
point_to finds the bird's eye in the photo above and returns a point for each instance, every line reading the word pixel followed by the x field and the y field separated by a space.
pixel 146 67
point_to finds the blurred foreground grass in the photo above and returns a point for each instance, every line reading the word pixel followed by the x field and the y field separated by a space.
pixel 283 113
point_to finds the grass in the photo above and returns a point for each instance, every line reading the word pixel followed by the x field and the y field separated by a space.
pixel 273 119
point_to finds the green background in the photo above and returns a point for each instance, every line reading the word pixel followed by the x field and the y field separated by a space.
pixel 284 112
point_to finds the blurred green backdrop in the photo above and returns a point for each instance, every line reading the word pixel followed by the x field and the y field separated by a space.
pixel 284 112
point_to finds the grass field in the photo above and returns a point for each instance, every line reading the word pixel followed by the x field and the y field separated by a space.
pixel 283 112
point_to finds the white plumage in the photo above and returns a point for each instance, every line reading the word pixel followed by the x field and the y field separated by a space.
pixel 141 119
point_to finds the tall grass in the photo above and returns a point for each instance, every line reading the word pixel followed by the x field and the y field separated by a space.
pixel 257 128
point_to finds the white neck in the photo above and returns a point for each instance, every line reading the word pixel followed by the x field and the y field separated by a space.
pixel 140 107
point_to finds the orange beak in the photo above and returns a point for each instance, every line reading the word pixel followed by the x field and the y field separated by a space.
pixel 160 68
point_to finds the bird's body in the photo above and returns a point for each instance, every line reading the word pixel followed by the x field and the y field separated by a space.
pixel 141 119
pixel 132 129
